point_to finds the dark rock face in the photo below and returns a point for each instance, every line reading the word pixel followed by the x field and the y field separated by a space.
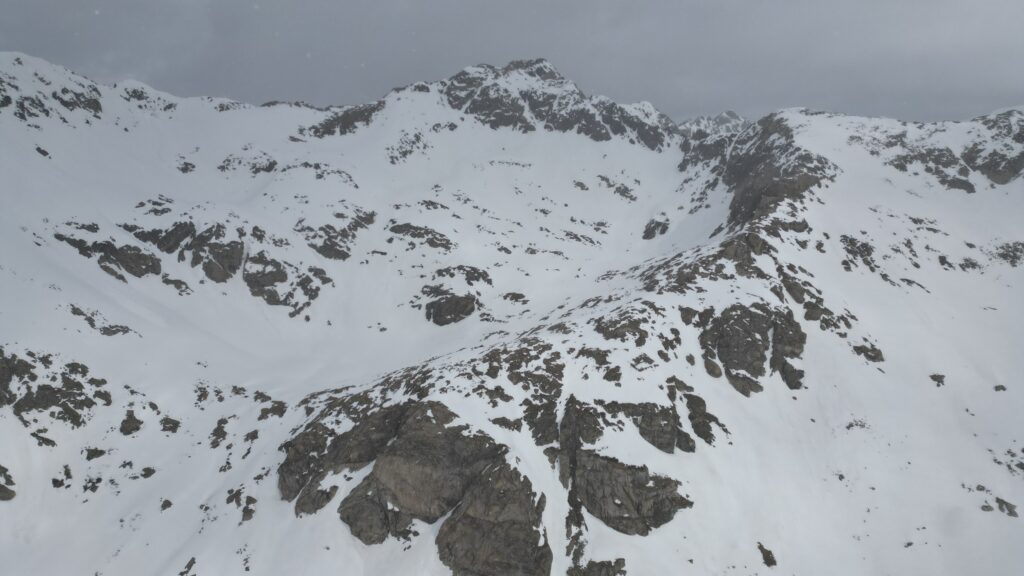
pixel 12 367
pixel 655 228
pixel 262 274
pixel 858 251
pixel 788 341
pixel 498 108
pixel 132 260
pixel 276 408
pixel 256 163
pixel 701 420
pixel 88 100
pixel 652 133
pixel 554 104
pixel 494 530
pixel 170 240
pixel 334 242
pixel 870 352
pixel 114 259
pixel 303 461
pixel 625 324
pixel 702 147
pixel 767 167
pixel 766 555
pixel 6 481
pixel 263 166
pixel 658 425
pixel 90 319
pixel 180 285
pixel 627 498
pixel 219 433
pixel 168 424
pixel 423 468
pixel 1006 507
pixel 450 309
pixel 76 96
pixel 682 272
pixel 220 260
pixel 1011 252
pixel 369 517
pixel 430 237
pixel 998 157
pixel 281 284
pixel 942 163
pixel 114 330
pixel 130 425
pixel 1000 166
pixel 544 106
pixel 61 394
pixel 346 121
pixel 618 188
pixel 712 368
pixel 64 403
pixel 472 92
pixel 471 274
pixel 423 473
pixel 741 337
pixel 603 568
pixel 537 369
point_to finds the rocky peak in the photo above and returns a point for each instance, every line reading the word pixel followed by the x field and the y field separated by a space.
pixel 527 95
pixel 539 68
pixel 704 126
pixel 536 73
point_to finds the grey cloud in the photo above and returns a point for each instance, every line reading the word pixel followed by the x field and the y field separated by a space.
pixel 913 59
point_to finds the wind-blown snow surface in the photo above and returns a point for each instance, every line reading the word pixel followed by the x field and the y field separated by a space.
pixel 678 346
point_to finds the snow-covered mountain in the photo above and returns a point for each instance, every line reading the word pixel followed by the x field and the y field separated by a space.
pixel 492 325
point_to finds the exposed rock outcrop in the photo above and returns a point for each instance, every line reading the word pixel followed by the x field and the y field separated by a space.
pixel 743 337
pixel 450 309
pixel 424 467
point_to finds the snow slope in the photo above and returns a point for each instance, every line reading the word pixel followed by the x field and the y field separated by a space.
pixel 492 325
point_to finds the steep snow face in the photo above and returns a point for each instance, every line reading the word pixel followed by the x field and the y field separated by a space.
pixel 491 325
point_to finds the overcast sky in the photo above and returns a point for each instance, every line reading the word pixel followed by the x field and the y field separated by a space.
pixel 912 59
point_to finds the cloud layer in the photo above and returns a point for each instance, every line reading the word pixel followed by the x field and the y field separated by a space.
pixel 912 59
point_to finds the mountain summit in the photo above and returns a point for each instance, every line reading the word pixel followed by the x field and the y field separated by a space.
pixel 525 95
pixel 491 325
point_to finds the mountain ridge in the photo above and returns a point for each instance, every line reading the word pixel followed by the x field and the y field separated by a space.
pixel 512 66
pixel 480 329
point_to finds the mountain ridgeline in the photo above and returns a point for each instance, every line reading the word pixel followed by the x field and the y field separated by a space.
pixel 492 325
